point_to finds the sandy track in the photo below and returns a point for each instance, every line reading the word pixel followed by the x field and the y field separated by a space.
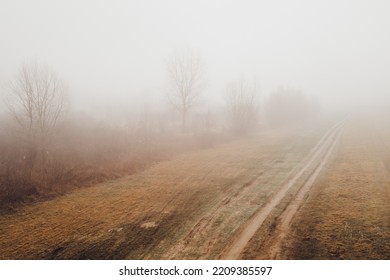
pixel 317 157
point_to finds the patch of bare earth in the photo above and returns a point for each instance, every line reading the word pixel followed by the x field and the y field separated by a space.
pixel 348 215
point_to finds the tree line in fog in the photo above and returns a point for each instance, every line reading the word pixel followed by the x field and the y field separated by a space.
pixel 46 150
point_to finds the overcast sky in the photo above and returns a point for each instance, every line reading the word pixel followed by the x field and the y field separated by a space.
pixel 110 50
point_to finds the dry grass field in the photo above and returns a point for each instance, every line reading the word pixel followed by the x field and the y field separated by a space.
pixel 186 208
pixel 326 191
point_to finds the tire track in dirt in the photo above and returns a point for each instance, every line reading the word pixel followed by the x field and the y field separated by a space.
pixel 204 222
pixel 231 196
pixel 274 243
pixel 320 153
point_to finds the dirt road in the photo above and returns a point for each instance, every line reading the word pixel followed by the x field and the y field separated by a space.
pixel 347 213
pixel 270 249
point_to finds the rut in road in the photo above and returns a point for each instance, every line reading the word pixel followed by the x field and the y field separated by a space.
pixel 319 155
pixel 272 246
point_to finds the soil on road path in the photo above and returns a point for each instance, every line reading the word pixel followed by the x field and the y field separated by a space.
pixel 314 163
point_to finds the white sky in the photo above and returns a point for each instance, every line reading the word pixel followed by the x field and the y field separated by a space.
pixel 110 50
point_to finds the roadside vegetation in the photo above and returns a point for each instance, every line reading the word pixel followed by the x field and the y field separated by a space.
pixel 347 215
pixel 46 149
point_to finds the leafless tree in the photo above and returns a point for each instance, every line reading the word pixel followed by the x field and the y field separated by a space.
pixel 242 104
pixel 37 104
pixel 185 71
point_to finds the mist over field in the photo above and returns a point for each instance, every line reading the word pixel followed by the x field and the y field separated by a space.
pixel 111 52
pixel 252 95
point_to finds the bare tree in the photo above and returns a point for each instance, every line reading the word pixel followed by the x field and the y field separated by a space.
pixel 186 81
pixel 37 104
pixel 242 105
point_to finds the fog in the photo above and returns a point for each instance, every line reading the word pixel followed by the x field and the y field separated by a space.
pixel 111 52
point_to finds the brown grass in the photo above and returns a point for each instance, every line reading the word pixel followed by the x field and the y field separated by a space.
pixel 184 208
pixel 348 215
